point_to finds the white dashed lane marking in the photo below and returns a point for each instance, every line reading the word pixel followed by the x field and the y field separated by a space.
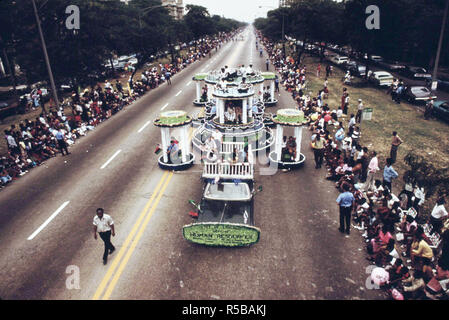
pixel 35 233
pixel 110 160
pixel 146 124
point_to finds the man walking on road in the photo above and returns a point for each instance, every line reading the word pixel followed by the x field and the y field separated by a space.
pixel 268 64
pixel 104 225
pixel 345 201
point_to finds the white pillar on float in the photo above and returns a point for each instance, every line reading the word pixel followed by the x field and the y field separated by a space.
pixel 210 89
pixel 198 91
pixel 261 91
pixel 245 111
pixel 250 106
pixel 184 144
pixel 272 90
pixel 165 136
pixel 278 144
pixel 221 103
pixel 298 136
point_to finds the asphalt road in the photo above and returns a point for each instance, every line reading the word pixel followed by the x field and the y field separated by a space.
pixel 301 254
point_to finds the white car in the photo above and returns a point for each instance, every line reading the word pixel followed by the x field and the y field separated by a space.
pixel 133 61
pixel 339 60
pixel 376 59
pixel 381 78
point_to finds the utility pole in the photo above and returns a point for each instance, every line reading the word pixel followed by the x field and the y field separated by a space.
pixel 440 44
pixel 47 60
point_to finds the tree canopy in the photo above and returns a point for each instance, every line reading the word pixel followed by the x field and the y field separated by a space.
pixel 409 29
pixel 107 28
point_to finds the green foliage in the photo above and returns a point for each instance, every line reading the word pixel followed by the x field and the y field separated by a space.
pixel 409 29
pixel 107 29
pixel 434 180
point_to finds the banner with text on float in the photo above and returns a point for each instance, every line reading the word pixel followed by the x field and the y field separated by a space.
pixel 221 234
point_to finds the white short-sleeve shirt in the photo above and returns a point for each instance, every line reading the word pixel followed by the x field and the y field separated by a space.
pixel 439 211
pixel 104 224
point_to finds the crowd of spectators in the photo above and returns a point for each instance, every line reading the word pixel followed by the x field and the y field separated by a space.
pixel 31 142
pixel 409 245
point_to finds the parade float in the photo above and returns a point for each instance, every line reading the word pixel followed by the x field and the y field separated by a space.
pixel 269 79
pixel 176 153
pixel 225 214
pixel 287 153
pixel 202 97
pixel 234 113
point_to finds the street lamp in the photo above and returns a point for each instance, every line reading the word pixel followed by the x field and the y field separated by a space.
pixel 140 14
pixel 47 60
pixel 145 11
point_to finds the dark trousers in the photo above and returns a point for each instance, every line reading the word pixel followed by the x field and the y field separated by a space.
pixel 345 216
pixel 387 184
pixel 358 117
pixel 394 153
pixel 319 153
pixel 63 147
pixel 106 237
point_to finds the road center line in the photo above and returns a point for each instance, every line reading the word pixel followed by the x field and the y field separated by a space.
pixel 128 240
pixel 178 93
pixel 136 240
pixel 109 161
pixel 188 84
pixel 35 233
pixel 165 106
pixel 146 124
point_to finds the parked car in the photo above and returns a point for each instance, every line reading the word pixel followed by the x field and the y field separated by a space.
pixel 376 59
pixel 418 94
pixel 66 85
pixel 443 83
pixel 381 78
pixel 133 61
pixel 416 73
pixel 355 68
pixel 118 65
pixel 339 60
pixel 20 89
pixel 441 109
pixel 8 107
pixel 392 65
pixel 4 104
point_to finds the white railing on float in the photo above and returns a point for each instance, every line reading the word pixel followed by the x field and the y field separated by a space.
pixel 228 147
pixel 226 170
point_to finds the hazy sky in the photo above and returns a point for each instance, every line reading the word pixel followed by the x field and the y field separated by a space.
pixel 242 10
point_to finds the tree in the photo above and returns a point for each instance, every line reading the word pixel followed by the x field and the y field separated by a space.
pixel 198 20
pixel 107 29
